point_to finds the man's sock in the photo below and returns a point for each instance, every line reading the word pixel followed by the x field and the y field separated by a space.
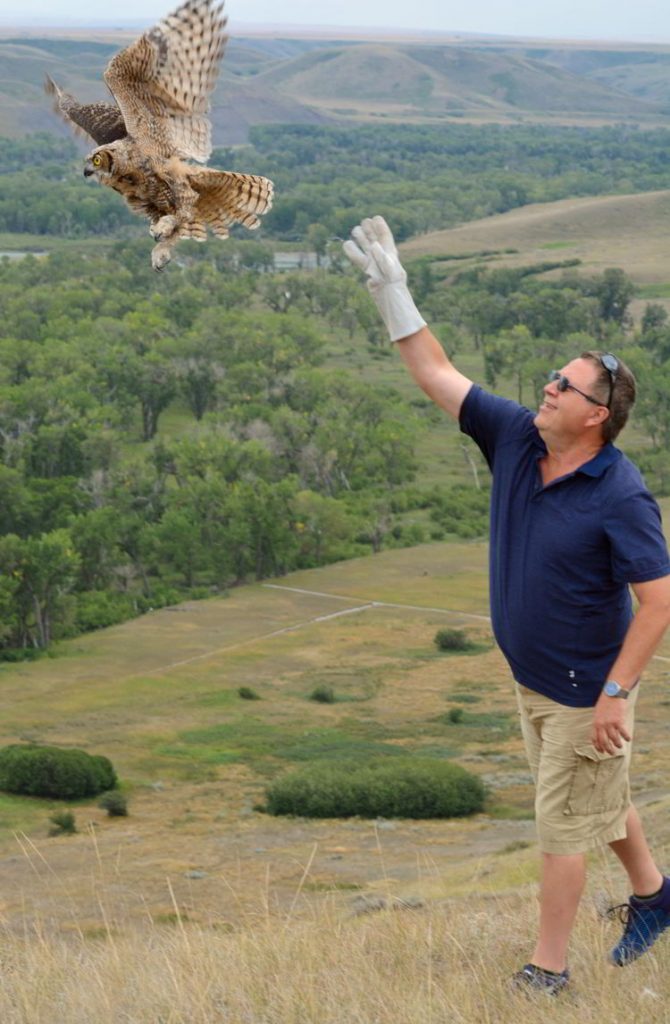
pixel 551 974
pixel 662 896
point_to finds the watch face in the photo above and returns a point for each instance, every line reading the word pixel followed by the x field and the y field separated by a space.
pixel 611 689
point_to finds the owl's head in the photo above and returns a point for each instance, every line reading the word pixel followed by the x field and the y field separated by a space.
pixel 99 163
pixel 104 162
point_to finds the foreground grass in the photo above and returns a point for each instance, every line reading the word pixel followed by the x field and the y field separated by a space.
pixel 445 961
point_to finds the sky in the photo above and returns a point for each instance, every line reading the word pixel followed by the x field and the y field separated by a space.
pixel 646 20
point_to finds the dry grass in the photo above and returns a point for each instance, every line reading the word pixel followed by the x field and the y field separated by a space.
pixel 318 962
pixel 629 231
pixel 197 908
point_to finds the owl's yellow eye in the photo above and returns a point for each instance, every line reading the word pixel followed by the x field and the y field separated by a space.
pixel 97 160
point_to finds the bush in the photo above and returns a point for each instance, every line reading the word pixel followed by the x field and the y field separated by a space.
pixel 162 596
pixel 452 640
pixel 389 789
pixel 455 715
pixel 115 804
pixel 323 694
pixel 97 609
pixel 246 693
pixel 63 823
pixel 461 510
pixel 16 654
pixel 62 774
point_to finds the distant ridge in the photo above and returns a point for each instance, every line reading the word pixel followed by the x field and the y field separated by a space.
pixel 268 79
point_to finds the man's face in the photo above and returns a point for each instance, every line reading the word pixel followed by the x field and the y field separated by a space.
pixel 567 414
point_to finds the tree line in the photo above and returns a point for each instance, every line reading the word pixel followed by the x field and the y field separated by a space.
pixel 422 177
pixel 277 462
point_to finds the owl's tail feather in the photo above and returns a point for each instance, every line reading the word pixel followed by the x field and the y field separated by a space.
pixel 228 197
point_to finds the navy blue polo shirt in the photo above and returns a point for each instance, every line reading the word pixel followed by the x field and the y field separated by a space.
pixel 561 556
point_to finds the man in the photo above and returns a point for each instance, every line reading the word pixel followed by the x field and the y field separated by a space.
pixel 572 526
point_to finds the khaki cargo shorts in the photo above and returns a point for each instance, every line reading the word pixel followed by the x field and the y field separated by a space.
pixel 582 797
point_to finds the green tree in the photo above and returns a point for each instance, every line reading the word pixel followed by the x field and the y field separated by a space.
pixel 614 291
pixel 323 527
pixel 44 569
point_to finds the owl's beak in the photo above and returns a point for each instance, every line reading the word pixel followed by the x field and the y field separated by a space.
pixel 89 169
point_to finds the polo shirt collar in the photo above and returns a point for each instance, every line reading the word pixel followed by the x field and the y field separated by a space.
pixel 600 462
pixel 596 466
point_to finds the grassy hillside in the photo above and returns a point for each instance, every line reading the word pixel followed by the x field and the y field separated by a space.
pixel 629 231
pixel 199 901
pixel 269 81
pixel 159 696
pixel 638 72
pixel 440 80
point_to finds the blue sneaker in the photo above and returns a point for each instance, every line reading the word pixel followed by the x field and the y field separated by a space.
pixel 643 921
pixel 535 979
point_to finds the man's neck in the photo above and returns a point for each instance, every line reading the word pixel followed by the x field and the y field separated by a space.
pixel 566 457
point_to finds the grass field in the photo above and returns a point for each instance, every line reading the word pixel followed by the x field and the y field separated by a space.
pixel 159 696
pixel 627 231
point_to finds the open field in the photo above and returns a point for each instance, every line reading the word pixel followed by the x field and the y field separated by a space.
pixel 159 696
pixel 628 231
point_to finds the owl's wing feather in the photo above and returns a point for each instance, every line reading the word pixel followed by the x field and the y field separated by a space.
pixel 101 122
pixel 227 197
pixel 162 82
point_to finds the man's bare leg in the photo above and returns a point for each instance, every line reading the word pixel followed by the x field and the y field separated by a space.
pixel 561 888
pixel 635 855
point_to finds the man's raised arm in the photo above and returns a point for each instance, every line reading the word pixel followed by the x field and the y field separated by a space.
pixel 373 250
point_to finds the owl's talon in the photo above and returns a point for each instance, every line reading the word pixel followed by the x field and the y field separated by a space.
pixel 163 228
pixel 160 257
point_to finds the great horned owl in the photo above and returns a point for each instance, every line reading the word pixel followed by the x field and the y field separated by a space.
pixel 161 84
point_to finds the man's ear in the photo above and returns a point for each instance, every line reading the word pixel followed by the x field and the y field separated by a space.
pixel 599 415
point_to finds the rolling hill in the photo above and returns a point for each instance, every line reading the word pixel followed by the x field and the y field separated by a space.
pixel 442 81
pixel 628 231
pixel 270 81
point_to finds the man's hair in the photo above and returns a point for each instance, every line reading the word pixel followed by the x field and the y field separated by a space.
pixel 623 394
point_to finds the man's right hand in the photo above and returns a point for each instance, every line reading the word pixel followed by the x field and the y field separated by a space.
pixel 373 250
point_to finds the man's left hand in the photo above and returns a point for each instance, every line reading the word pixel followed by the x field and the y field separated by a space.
pixel 609 725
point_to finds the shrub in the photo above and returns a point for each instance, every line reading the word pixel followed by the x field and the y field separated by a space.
pixel 455 715
pixel 323 694
pixel 390 789
pixel 461 510
pixel 452 640
pixel 246 693
pixel 97 609
pixel 15 654
pixel 62 774
pixel 162 596
pixel 115 804
pixel 63 823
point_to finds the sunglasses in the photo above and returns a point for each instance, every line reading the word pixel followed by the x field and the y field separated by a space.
pixel 609 363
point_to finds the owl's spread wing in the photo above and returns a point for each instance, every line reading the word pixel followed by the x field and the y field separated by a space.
pixel 102 122
pixel 227 197
pixel 162 82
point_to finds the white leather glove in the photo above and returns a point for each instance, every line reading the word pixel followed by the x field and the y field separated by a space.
pixel 373 250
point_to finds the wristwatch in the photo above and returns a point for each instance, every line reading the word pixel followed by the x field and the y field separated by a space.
pixel 612 689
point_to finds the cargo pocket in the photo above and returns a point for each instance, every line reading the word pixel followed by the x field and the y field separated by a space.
pixel 598 781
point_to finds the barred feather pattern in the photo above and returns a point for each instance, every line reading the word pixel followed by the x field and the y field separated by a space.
pixel 163 81
pixel 229 197
pixel 101 122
